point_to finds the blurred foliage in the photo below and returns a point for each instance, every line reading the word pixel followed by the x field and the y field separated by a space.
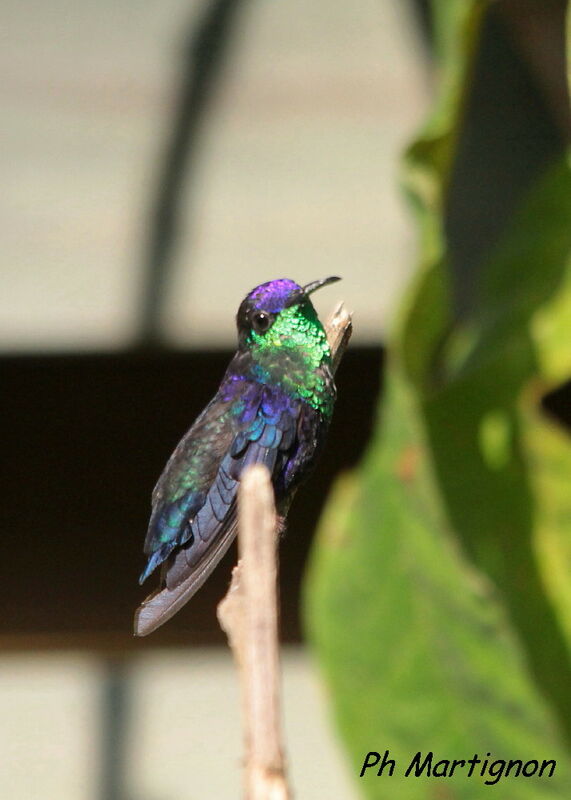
pixel 439 593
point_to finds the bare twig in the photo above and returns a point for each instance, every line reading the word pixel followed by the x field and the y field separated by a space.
pixel 249 615
pixel 339 329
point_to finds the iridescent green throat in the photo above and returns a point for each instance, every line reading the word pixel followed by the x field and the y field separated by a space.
pixel 294 354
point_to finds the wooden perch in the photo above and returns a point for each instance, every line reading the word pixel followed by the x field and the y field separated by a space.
pixel 338 329
pixel 249 615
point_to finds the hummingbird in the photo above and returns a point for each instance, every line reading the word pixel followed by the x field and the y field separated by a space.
pixel 273 407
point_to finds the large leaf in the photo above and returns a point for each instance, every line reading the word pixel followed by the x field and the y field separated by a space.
pixel 486 431
pixel 415 644
pixel 439 592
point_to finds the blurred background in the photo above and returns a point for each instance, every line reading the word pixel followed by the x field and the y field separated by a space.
pixel 293 157
pixel 158 161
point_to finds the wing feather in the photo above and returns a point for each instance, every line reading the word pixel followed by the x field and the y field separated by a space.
pixel 203 528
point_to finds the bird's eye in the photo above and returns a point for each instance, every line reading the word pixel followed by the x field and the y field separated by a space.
pixel 261 321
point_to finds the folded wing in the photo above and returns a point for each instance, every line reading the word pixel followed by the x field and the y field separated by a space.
pixel 191 529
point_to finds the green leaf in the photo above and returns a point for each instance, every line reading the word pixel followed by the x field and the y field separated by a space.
pixel 428 163
pixel 486 431
pixel 439 592
pixel 414 643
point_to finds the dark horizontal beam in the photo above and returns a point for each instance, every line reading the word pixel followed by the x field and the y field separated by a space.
pixel 84 438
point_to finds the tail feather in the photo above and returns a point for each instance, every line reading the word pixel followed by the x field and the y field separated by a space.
pixel 163 604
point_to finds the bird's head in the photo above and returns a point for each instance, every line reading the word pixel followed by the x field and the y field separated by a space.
pixel 279 314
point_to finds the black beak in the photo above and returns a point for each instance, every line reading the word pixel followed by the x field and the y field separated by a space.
pixel 314 285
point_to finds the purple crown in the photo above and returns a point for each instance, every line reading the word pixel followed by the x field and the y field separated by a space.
pixel 273 296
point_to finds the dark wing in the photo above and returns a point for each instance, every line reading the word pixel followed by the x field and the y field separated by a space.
pixel 311 432
pixel 264 431
pixel 164 603
pixel 183 487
